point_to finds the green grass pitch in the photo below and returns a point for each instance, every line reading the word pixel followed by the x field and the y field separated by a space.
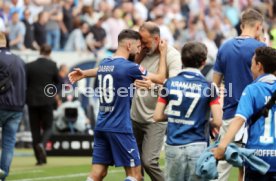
pixel 64 169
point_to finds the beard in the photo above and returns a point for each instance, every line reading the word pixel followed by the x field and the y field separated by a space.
pixel 131 57
pixel 152 49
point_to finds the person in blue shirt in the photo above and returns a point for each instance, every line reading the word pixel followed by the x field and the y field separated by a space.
pixel 233 65
pixel 261 135
pixel 188 98
pixel 114 142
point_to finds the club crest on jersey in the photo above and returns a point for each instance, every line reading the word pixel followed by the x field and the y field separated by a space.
pixel 142 69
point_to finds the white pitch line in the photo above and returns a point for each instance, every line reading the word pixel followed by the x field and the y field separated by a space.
pixel 24 172
pixel 61 176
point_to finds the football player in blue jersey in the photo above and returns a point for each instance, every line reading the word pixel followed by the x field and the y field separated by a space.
pixel 188 99
pixel 261 135
pixel 114 142
pixel 233 65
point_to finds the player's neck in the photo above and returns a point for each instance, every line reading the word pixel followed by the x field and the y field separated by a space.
pixel 248 33
pixel 121 53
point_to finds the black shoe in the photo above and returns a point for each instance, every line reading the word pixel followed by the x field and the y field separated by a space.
pixel 39 163
pixel 42 156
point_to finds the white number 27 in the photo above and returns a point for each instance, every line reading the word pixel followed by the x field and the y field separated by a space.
pixel 177 102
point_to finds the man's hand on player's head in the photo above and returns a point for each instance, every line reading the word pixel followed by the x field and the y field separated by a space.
pixel 145 83
pixel 76 75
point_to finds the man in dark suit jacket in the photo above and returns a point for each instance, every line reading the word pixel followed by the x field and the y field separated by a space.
pixel 42 75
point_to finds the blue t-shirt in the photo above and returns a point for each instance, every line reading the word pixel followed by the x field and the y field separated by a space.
pixel 114 79
pixel 262 134
pixel 234 63
pixel 188 97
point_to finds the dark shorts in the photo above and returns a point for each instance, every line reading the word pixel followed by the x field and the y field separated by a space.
pixel 251 175
pixel 119 149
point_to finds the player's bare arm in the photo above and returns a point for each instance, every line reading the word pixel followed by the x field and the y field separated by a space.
pixel 159 112
pixel 217 79
pixel 217 115
pixel 79 74
pixel 160 76
pixel 234 127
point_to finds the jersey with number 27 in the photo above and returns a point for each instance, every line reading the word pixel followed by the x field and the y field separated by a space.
pixel 188 97
pixel 262 134
pixel 115 77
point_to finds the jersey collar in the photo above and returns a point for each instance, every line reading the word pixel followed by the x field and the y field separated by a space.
pixel 191 70
pixel 268 78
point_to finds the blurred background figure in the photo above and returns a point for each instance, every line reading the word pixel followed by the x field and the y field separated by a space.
pixel 29 41
pixel 70 117
pixel 77 40
pixel 41 73
pixel 40 33
pixel 53 25
pixel 17 31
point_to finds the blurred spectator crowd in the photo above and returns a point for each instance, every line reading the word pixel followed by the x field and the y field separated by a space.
pixel 92 25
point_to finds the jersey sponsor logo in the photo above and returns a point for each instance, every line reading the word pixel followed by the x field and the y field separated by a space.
pixel 266 153
pixel 181 121
pixel 106 108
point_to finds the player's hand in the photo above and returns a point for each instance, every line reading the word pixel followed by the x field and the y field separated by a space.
pixel 145 83
pixel 163 46
pixel 76 75
pixel 218 152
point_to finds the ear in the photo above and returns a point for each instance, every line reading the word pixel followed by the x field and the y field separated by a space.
pixel 128 45
pixel 241 26
pixel 203 63
pixel 258 26
pixel 259 66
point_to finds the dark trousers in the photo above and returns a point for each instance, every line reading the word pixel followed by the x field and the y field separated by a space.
pixel 41 121
pixel 256 176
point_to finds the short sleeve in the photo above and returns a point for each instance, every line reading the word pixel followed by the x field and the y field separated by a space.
pixel 218 67
pixel 214 95
pixel 137 71
pixel 164 93
pixel 245 107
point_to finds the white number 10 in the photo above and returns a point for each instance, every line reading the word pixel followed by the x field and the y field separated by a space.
pixel 177 102
pixel 106 93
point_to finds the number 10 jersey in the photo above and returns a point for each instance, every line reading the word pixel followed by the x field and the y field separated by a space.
pixel 115 79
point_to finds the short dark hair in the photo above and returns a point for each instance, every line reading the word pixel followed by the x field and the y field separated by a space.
pixel 151 27
pixel 129 34
pixel 250 17
pixel 45 49
pixel 193 54
pixel 267 57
